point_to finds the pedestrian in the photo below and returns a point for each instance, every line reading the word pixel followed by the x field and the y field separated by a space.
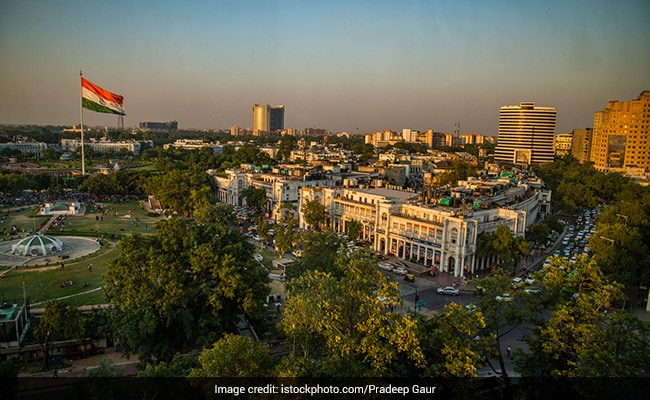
pixel 55 373
pixel 62 266
pixel 417 296
pixel 509 350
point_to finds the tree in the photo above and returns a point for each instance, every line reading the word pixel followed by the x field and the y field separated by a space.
pixel 578 296
pixel 235 356
pixel 461 170
pixel 172 189
pixel 285 234
pixel 319 253
pixel 501 316
pixel 346 325
pixel 255 198
pixel 538 233
pixel 58 322
pixel 353 229
pixel 182 288
pixel 314 214
pixel 263 227
pixel 621 254
pixel 455 347
pixel 504 245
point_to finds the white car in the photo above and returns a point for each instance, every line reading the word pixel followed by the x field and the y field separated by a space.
pixel 385 266
pixel 450 290
pixel 400 270
pixel 504 297
pixel 258 257
pixel 529 281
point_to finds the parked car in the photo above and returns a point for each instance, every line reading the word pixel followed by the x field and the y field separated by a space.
pixel 504 297
pixel 385 266
pixel 400 271
pixel 258 257
pixel 449 290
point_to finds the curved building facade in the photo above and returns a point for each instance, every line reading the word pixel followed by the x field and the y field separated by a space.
pixel 526 133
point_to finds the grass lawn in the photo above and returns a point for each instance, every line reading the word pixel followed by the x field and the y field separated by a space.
pixel 22 219
pixel 41 284
pixel 111 220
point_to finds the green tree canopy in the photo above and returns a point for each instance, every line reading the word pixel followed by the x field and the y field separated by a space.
pixel 346 325
pixel 235 356
pixel 578 296
pixel 181 288
pixel 315 214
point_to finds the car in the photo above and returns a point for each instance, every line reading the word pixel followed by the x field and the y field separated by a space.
pixel 409 278
pixel 533 290
pixel 516 282
pixel 385 266
pixel 449 290
pixel 504 297
pixel 400 271
pixel 258 257
pixel 529 281
pixel 297 253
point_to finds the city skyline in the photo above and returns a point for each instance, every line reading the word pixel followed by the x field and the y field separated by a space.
pixel 355 66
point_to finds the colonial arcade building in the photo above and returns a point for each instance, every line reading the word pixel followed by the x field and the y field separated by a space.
pixel 442 236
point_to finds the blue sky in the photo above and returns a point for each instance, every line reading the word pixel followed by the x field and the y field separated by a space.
pixel 356 66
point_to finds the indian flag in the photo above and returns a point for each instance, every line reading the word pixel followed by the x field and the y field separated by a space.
pixel 100 100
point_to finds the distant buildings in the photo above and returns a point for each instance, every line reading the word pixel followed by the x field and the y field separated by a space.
pixel 581 145
pixel 267 119
pixel 101 146
pixel 35 148
pixel 525 134
pixel 562 143
pixel 170 126
pixel 621 136
pixel 194 144
pixel 429 138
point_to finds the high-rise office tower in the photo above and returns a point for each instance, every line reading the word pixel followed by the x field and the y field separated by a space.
pixel 525 134
pixel 267 119
pixel 581 146
pixel 276 118
pixel 621 137
pixel 261 120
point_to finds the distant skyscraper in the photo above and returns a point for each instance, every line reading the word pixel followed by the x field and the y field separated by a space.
pixel 581 146
pixel 621 137
pixel 170 126
pixel 267 119
pixel 525 134
pixel 276 118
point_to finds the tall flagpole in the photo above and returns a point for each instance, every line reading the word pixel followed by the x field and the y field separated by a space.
pixel 81 112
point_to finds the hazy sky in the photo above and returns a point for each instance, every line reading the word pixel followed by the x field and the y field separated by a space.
pixel 356 66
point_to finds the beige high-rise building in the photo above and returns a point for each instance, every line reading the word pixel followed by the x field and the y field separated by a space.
pixel 621 138
pixel 581 146
pixel 261 119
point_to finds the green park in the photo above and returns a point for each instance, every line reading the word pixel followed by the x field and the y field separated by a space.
pixel 108 222
pixel 42 280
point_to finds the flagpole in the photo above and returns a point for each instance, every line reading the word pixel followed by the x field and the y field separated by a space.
pixel 81 112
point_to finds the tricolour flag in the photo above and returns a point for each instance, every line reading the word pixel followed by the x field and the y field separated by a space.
pixel 100 100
